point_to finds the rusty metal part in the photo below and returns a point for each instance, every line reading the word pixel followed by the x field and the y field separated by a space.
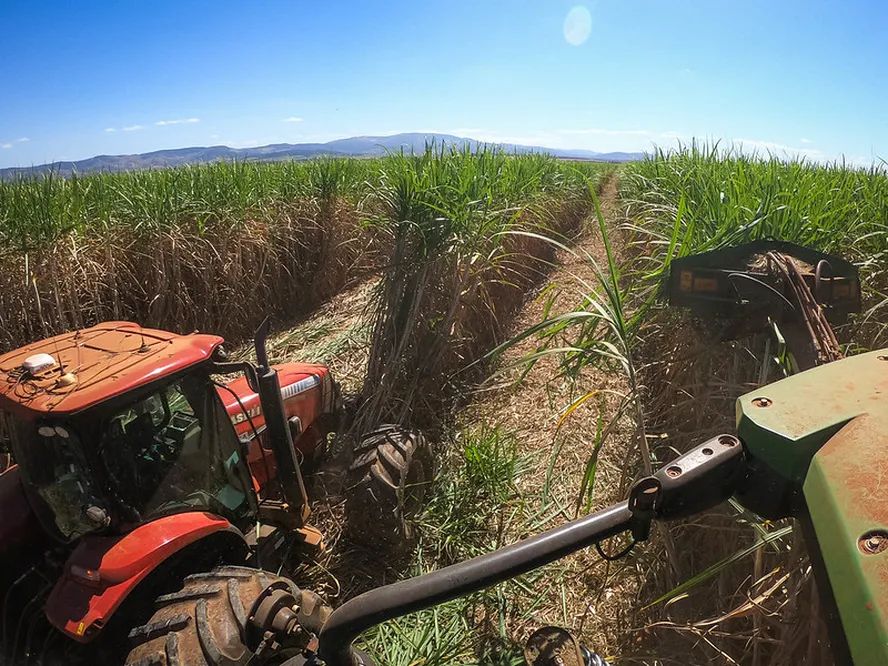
pixel 845 494
pixel 805 411
pixel 274 617
pixel 311 537
pixel 819 454
pixel 275 609
pixel 761 402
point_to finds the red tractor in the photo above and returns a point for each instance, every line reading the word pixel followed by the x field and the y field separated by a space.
pixel 131 466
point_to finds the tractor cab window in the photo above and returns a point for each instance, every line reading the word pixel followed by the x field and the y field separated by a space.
pixel 56 467
pixel 174 450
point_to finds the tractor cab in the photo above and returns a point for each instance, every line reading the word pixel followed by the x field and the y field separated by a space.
pixel 127 461
pixel 116 426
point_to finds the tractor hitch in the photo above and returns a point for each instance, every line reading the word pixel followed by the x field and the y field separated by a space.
pixel 692 483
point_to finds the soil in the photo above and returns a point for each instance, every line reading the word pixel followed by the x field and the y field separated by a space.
pixel 336 334
pixel 581 593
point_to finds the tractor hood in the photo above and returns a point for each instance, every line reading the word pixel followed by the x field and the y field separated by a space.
pixel 306 388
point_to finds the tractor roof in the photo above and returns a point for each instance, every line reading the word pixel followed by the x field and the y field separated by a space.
pixel 94 364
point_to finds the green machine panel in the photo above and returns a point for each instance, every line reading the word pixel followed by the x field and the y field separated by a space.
pixel 818 442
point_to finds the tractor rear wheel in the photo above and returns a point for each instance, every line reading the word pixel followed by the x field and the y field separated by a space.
pixel 206 623
pixel 388 481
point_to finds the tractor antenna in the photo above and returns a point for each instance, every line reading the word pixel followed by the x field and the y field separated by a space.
pixel 59 357
pixel 144 347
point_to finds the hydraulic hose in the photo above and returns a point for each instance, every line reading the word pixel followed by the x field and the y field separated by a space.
pixel 408 596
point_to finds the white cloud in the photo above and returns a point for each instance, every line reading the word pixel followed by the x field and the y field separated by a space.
pixel 607 132
pixel 779 148
pixel 293 119
pixel 577 25
pixel 9 144
pixel 128 128
pixel 177 121
pixel 804 140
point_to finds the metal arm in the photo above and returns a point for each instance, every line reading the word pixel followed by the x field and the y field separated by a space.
pixel 692 483
pixel 391 601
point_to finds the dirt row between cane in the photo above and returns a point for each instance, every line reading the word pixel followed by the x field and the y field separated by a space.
pixel 583 593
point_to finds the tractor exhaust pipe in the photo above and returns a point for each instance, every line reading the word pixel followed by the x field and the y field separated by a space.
pixel 269 389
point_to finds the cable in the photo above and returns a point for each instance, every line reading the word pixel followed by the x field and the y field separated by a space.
pixel 611 558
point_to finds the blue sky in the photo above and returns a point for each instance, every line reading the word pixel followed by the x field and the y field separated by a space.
pixel 85 78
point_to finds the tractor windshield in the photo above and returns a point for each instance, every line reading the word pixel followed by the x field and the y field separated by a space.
pixel 174 450
pixel 171 450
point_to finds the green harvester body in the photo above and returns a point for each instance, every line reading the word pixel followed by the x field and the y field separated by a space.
pixel 818 451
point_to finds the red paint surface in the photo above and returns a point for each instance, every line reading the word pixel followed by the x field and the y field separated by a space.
pixel 79 608
pixel 107 360
pixel 308 405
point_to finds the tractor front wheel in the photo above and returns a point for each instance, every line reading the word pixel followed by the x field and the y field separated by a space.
pixel 207 622
pixel 388 482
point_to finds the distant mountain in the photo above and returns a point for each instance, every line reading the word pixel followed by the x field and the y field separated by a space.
pixel 356 146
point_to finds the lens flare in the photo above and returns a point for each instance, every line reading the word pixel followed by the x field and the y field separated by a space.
pixel 577 25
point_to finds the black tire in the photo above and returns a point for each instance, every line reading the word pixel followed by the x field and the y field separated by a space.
pixel 388 482
pixel 205 623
